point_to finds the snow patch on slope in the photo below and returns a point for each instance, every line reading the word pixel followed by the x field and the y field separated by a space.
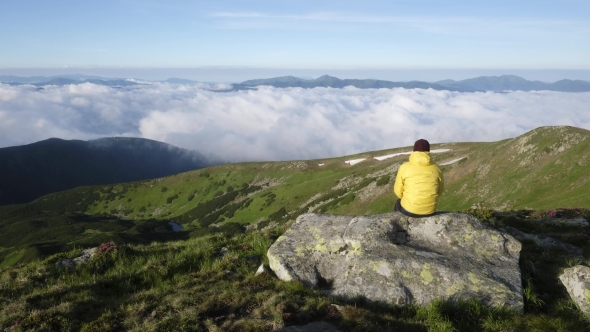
pixel 387 156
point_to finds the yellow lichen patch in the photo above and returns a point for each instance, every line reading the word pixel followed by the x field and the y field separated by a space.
pixel 587 295
pixel 320 247
pixel 335 247
pixel 500 292
pixel 495 238
pixel 281 238
pixel 426 275
pixel 406 274
pixel 475 282
pixel 300 251
pixel 483 252
pixel 456 288
pixel 316 233
pixel 356 248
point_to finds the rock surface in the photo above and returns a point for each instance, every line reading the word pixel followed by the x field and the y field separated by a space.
pixel 86 256
pixel 577 282
pixel 390 258
pixel 261 270
pixel 580 222
pixel 311 327
pixel 546 242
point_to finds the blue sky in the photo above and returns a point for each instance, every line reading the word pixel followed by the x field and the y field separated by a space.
pixel 416 34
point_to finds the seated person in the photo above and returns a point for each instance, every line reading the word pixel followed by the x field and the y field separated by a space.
pixel 418 183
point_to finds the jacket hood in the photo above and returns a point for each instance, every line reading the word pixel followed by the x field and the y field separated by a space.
pixel 420 158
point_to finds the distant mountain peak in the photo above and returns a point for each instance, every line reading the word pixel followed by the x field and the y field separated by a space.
pixel 327 77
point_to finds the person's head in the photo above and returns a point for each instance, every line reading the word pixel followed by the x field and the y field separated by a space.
pixel 422 145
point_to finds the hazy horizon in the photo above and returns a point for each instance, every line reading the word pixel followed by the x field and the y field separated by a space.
pixel 232 41
pixel 240 74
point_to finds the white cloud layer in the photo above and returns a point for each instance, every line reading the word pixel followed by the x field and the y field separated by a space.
pixel 280 124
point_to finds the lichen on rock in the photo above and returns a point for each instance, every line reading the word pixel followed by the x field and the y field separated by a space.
pixel 393 259
pixel 576 280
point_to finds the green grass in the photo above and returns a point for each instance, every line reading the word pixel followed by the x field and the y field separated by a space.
pixel 12 258
pixel 490 177
pixel 188 286
pixel 160 280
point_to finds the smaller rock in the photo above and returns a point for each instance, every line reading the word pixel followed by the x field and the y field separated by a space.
pixel 223 251
pixel 66 264
pixel 577 282
pixel 580 222
pixel 311 327
pixel 545 242
pixel 86 256
pixel 229 272
pixel 261 270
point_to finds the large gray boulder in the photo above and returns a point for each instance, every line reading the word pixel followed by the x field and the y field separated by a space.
pixel 577 282
pixel 390 258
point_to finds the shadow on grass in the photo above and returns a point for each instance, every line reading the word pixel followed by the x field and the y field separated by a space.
pixel 45 236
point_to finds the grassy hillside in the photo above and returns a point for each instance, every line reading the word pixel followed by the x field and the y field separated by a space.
pixel 545 168
pixel 189 285
pixel 160 280
pixel 542 169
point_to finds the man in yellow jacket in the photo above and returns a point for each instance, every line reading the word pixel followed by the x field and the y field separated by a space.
pixel 418 183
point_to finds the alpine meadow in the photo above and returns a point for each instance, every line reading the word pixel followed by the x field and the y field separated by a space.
pixel 202 277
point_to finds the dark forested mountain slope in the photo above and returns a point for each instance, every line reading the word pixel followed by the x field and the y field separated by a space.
pixel 31 171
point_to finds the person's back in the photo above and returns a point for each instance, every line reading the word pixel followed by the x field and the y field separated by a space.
pixel 418 183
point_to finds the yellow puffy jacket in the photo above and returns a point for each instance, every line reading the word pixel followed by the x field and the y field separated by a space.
pixel 419 183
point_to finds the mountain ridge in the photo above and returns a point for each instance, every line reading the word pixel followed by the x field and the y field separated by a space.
pixel 54 164
pixel 478 84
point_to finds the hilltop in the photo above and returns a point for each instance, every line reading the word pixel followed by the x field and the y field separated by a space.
pixel 54 164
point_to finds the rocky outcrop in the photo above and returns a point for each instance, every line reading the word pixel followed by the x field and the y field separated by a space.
pixel 86 256
pixel 579 222
pixel 577 282
pixel 546 242
pixel 390 258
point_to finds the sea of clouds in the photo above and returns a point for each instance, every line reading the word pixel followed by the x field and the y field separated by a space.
pixel 279 124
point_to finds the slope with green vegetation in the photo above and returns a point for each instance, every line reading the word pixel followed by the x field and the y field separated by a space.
pixel 542 169
pixel 158 279
pixel 207 283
